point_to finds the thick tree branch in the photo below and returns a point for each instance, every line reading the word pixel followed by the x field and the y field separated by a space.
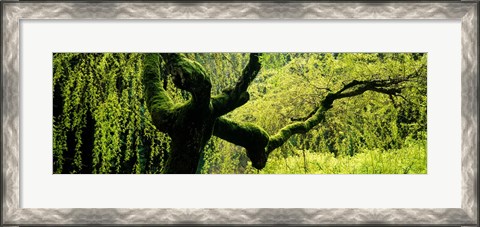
pixel 304 118
pixel 286 132
pixel 158 102
pixel 253 138
pixel 190 76
pixel 235 97
pixel 187 75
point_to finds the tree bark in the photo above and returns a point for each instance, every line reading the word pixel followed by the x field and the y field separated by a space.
pixel 253 138
pixel 235 97
pixel 190 124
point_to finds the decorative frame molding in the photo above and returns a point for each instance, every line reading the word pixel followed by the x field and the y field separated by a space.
pixel 13 12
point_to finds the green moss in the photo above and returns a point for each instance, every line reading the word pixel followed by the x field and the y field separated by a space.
pixel 227 102
pixel 250 136
pixel 286 132
pixel 190 76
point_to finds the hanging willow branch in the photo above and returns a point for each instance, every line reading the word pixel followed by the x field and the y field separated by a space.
pixel 99 123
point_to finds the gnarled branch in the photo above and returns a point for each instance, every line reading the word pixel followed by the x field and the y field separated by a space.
pixel 190 76
pixel 235 97
pixel 158 102
pixel 259 144
pixel 253 138
pixel 187 75
pixel 355 87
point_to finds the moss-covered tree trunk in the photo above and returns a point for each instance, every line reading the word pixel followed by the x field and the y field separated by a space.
pixel 190 125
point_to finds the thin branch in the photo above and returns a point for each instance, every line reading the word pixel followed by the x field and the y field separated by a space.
pixel 304 118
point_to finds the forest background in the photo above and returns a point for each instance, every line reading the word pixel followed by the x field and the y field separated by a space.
pixel 101 123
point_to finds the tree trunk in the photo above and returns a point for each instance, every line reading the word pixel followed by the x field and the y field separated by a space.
pixel 189 136
pixel 190 125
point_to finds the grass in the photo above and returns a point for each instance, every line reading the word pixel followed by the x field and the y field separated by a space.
pixel 411 159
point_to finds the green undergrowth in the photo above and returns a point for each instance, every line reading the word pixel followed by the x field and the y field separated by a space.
pixel 411 159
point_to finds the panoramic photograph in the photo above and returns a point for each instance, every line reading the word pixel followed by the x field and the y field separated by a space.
pixel 239 113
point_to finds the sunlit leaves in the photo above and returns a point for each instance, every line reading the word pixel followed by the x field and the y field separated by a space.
pixel 411 159
pixel 291 85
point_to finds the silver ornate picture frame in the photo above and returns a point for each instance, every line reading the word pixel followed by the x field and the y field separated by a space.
pixel 14 12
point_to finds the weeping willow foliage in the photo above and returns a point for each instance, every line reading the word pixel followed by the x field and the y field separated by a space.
pixel 99 116
pixel 101 123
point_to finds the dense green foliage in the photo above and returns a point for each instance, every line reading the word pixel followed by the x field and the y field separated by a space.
pixel 102 125
pixel 99 115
